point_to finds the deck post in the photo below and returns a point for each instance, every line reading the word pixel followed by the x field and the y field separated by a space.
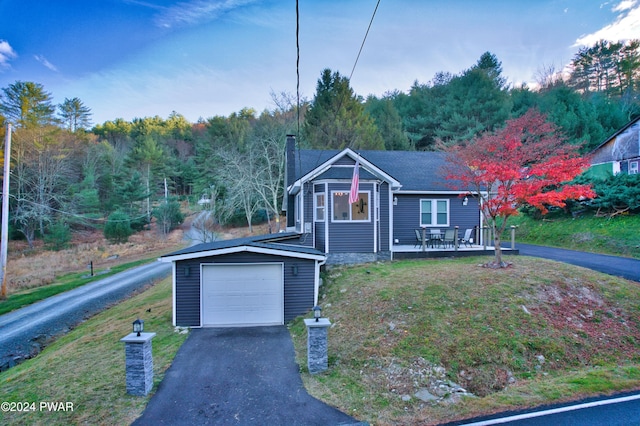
pixel 484 236
pixel 455 237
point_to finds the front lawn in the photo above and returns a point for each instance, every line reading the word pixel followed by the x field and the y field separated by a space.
pixel 538 332
pixel 86 366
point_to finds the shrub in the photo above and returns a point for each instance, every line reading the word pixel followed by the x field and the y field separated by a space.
pixel 118 227
pixel 616 194
pixel 58 236
pixel 168 216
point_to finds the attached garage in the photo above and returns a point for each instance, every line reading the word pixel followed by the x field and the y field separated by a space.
pixel 265 280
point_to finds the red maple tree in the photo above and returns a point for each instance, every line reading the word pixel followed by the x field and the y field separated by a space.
pixel 527 162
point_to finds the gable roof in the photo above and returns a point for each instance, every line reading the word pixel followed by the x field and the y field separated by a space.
pixel 616 134
pixel 266 244
pixel 404 170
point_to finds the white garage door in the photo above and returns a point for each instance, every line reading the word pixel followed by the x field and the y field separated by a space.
pixel 242 295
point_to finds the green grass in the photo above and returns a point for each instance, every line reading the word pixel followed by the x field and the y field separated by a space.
pixel 488 328
pixel 62 284
pixel 619 235
pixel 86 366
pixel 450 312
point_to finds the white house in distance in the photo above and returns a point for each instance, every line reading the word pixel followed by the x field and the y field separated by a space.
pixel 620 153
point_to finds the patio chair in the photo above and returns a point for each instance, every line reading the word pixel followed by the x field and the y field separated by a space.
pixel 449 235
pixel 467 239
pixel 435 237
pixel 418 238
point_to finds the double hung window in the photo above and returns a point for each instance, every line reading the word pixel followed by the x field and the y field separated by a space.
pixel 434 212
pixel 320 207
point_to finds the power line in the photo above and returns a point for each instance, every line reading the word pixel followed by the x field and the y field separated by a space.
pixel 365 39
pixel 76 215
pixel 298 64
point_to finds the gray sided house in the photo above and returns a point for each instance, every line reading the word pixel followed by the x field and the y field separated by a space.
pixel 254 281
pixel 271 279
pixel 620 153
pixel 399 192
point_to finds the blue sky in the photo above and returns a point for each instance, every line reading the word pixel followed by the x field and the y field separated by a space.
pixel 201 58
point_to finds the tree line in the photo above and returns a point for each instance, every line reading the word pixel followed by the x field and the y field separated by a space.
pixel 68 174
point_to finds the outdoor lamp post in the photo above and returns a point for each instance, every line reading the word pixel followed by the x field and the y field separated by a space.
pixel 138 326
pixel 317 357
pixel 138 359
pixel 317 312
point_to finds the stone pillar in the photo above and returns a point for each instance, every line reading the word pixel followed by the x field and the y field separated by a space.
pixel 317 357
pixel 139 363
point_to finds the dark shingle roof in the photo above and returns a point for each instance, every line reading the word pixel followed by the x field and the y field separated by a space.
pixel 268 241
pixel 415 170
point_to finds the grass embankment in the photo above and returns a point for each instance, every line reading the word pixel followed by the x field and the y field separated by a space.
pixel 64 283
pixel 619 235
pixel 538 332
pixel 86 366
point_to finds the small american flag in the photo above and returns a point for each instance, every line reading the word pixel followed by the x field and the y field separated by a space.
pixel 353 194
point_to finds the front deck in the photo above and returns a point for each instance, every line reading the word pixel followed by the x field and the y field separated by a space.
pixel 417 252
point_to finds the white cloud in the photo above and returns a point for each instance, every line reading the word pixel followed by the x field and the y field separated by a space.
pixel 624 5
pixel 196 11
pixel 45 62
pixel 625 27
pixel 6 53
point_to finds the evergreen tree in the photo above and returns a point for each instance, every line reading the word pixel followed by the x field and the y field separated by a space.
pixel 337 119
pixel 74 114
pixel 118 227
pixel 388 121
pixel 27 105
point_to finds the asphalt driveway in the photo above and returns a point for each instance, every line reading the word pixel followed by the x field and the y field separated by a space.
pixel 613 265
pixel 237 376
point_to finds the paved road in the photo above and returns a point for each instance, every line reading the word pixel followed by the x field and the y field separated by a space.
pixel 612 265
pixel 25 331
pixel 237 376
pixel 619 410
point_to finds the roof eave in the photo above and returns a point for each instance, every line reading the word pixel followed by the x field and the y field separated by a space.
pixel 373 169
pixel 239 249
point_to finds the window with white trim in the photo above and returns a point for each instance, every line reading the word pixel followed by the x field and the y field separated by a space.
pixel 345 212
pixel 434 212
pixel 633 168
pixel 319 207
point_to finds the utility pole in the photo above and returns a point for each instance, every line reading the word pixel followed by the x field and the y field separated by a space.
pixel 5 213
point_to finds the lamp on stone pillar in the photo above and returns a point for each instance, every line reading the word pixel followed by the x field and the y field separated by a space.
pixel 317 312
pixel 138 359
pixel 138 326
pixel 317 347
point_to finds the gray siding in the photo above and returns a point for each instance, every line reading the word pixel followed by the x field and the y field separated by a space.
pixel 188 293
pixel 350 237
pixel 345 161
pixel 406 215
pixel 383 236
pixel 320 236
pixel 307 239
pixel 298 289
